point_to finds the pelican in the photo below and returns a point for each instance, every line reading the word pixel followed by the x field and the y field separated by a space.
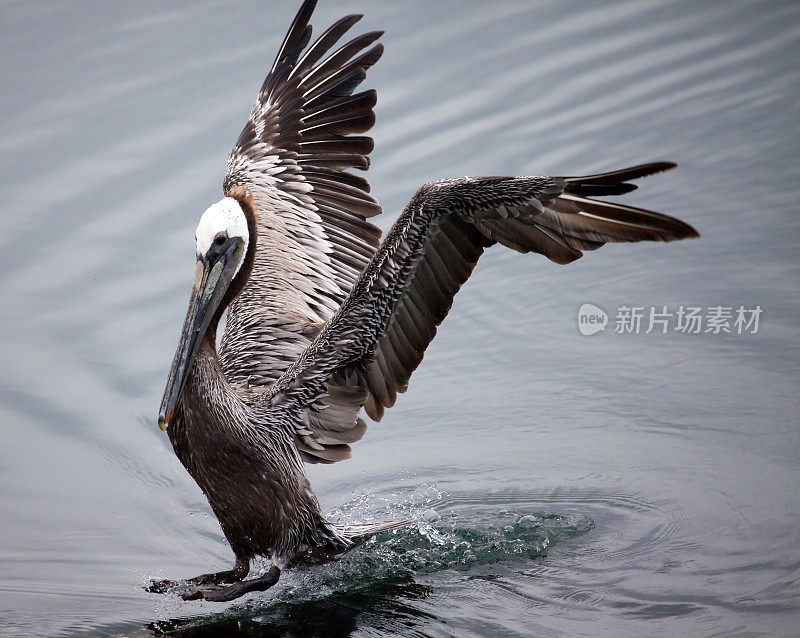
pixel 324 319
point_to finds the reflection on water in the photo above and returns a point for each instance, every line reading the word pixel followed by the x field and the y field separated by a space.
pixel 337 614
pixel 565 485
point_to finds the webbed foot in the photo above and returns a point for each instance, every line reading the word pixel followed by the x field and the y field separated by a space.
pixel 239 571
pixel 220 594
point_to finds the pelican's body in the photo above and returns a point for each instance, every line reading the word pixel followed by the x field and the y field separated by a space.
pixel 251 473
pixel 324 320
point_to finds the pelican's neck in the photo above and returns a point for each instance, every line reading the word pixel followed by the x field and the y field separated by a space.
pixel 207 380
pixel 208 400
pixel 208 418
pixel 210 338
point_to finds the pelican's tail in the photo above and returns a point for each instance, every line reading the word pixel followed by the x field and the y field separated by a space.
pixel 354 535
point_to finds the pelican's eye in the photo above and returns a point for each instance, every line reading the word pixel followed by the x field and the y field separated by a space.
pixel 220 238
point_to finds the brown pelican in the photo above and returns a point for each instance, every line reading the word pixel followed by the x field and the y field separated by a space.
pixel 324 319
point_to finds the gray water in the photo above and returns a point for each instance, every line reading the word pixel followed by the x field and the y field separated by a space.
pixel 614 484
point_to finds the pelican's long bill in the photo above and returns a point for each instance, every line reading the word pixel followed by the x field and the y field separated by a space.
pixel 211 280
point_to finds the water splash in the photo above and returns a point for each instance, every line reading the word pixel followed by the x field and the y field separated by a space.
pixel 450 534
pixel 455 533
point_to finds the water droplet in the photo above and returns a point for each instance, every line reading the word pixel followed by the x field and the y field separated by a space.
pixel 529 522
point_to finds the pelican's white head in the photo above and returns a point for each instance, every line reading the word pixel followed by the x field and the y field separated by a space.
pixel 220 222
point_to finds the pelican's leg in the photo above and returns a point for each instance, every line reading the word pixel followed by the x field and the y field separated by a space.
pixel 239 571
pixel 230 592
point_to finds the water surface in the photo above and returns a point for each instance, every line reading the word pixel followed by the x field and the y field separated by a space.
pixel 566 485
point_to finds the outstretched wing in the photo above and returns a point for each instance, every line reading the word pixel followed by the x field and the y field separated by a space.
pixel 366 354
pixel 313 237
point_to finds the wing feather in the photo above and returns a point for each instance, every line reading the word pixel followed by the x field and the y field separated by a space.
pixel 378 337
pixel 291 156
